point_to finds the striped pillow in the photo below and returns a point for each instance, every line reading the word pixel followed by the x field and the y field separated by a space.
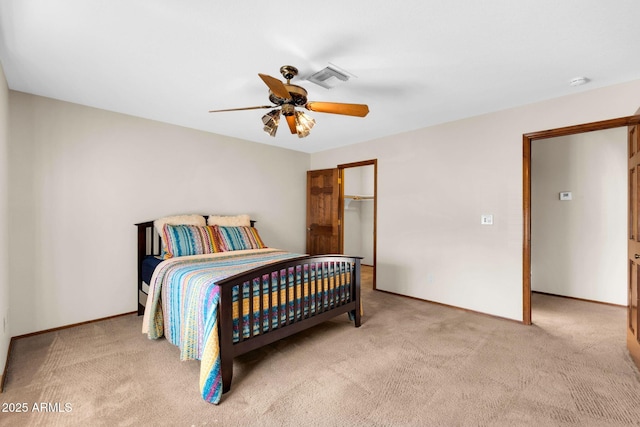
pixel 238 238
pixel 185 240
pixel 176 220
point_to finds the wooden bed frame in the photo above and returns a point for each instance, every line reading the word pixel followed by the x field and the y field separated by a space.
pixel 149 244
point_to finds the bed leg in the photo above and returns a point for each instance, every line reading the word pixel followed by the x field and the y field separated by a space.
pixel 225 388
pixel 355 316
pixel 226 371
pixel 358 311
pixel 225 332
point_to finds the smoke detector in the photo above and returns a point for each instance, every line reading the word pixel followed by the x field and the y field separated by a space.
pixel 578 81
pixel 330 76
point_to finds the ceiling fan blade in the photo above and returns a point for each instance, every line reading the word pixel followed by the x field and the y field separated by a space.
pixel 358 110
pixel 291 120
pixel 241 109
pixel 276 86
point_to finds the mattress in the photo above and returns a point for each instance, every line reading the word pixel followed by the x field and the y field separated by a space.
pixel 149 264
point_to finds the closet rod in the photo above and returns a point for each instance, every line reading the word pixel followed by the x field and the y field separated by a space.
pixel 359 197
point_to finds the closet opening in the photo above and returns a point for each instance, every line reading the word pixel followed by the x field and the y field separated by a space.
pixel 359 212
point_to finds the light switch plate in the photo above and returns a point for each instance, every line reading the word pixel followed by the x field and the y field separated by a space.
pixel 565 195
pixel 486 219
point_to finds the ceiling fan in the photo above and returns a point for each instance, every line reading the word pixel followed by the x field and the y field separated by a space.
pixel 287 96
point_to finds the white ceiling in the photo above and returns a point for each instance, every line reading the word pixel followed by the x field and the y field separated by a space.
pixel 417 62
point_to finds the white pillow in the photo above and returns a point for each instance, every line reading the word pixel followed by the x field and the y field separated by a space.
pixel 230 221
pixel 178 220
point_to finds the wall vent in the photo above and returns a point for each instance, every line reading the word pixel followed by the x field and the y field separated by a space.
pixel 330 77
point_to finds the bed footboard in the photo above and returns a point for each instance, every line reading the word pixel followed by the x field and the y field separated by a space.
pixel 281 299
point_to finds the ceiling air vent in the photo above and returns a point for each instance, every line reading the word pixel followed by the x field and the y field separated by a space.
pixel 330 76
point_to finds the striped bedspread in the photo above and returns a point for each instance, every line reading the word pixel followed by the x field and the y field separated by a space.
pixel 183 302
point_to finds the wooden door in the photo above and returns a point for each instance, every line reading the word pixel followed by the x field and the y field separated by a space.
pixel 323 212
pixel 633 316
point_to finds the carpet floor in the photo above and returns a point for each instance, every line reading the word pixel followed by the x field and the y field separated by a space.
pixel 411 363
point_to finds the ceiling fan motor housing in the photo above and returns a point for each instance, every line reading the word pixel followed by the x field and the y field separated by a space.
pixel 298 96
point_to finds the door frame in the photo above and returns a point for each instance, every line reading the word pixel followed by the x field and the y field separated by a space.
pixel 341 168
pixel 527 139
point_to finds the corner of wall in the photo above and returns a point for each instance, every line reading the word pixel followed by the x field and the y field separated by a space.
pixel 5 331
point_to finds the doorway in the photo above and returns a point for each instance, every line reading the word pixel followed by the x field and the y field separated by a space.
pixel 527 200
pixel 579 216
pixel 359 211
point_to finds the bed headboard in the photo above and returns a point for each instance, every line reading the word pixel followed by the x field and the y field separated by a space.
pixel 149 240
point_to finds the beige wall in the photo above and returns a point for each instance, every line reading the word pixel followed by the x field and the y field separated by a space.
pixel 81 177
pixel 435 183
pixel 579 247
pixel 5 331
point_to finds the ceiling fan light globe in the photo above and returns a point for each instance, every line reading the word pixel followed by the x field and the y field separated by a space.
pixel 273 115
pixel 304 123
pixel 271 130
pixel 271 121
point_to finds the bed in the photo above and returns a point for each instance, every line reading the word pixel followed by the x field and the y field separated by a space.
pixel 236 294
